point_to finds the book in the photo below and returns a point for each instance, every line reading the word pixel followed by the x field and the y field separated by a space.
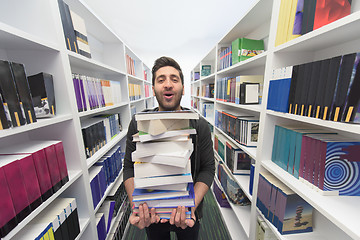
pixel 205 70
pixel 320 93
pixel 149 194
pixel 11 101
pixel 43 94
pixel 187 201
pixel 80 34
pixel 162 180
pixel 328 11
pixel 249 93
pixel 100 226
pixel 5 121
pixel 244 48
pixel 237 160
pixel 352 98
pixel 68 28
pixel 149 169
pixel 23 90
pixel 181 114
pixel 173 187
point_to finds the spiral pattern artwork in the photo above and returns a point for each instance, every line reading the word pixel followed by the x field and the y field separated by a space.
pixel 342 173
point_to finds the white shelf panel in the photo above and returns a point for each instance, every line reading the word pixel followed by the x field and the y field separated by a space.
pixel 16 39
pixel 90 161
pixel 101 110
pixel 208 99
pixel 253 62
pixel 345 127
pixel 251 151
pixel 250 107
pixel 340 210
pixel 338 32
pixel 232 222
pixel 209 77
pixel 91 66
pixel 134 78
pixel 84 223
pixel 73 176
pixel 44 122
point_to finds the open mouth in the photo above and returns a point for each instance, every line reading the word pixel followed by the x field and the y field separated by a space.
pixel 168 95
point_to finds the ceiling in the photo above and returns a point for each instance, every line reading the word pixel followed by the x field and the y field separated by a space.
pixel 185 30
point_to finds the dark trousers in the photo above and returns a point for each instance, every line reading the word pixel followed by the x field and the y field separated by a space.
pixel 161 231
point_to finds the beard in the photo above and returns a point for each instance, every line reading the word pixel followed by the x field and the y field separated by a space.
pixel 172 105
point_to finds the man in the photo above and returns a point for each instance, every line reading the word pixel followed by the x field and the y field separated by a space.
pixel 168 87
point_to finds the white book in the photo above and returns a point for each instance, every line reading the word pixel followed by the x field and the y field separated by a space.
pixel 173 187
pixel 176 159
pixel 183 137
pixel 145 137
pixel 148 169
pixel 161 126
pixel 164 148
pixel 182 114
pixel 163 180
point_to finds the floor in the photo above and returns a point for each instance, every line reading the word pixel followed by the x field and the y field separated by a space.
pixel 212 225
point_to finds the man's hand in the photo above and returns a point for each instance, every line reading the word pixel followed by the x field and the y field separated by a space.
pixel 144 218
pixel 178 217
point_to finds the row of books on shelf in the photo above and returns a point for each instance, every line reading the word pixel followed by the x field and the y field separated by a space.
pixel 162 169
pixel 207 90
pixel 145 75
pixel 243 89
pixel 298 17
pixel 326 89
pixel 324 160
pixel 130 65
pixel 30 173
pixel 60 220
pixel 134 91
pixel 220 196
pixel 244 129
pixel 231 188
pixel 196 76
pixel 239 50
pixel 98 131
pixel 74 28
pixel 113 206
pixel 92 93
pixel 24 98
pixel 285 209
pixel 104 172
pixel 195 103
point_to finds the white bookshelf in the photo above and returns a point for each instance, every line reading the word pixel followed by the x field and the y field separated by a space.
pixel 334 217
pixel 33 35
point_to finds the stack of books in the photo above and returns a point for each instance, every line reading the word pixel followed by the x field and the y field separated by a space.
pixel 162 165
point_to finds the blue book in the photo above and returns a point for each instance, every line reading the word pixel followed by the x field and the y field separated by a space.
pixel 149 194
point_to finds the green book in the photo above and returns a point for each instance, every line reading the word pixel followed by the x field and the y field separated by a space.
pixel 244 48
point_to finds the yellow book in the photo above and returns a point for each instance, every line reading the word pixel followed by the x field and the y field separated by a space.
pixel 280 25
pixel 290 35
pixel 287 10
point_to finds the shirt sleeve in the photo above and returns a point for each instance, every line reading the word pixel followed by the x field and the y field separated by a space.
pixel 130 147
pixel 206 154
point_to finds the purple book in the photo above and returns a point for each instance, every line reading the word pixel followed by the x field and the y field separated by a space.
pixel 82 94
pixel 77 93
pixel 298 17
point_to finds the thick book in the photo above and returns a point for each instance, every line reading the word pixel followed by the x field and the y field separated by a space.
pixel 16 183
pixel 23 90
pixel 148 169
pixel 187 201
pixel 237 160
pixel 320 93
pixel 8 219
pixel 173 134
pixel 162 180
pixel 328 11
pixel 149 194
pixel 76 82
pixel 249 93
pixel 5 121
pixel 244 48
pixel 353 98
pixel 164 148
pixel 306 81
pixel 43 94
pixel 80 34
pixel 181 114
pixel 313 87
pixel 68 28
pixel 160 126
pixel 173 187
pixel 100 226
pixel 10 96
pixel 342 85
pixel 95 186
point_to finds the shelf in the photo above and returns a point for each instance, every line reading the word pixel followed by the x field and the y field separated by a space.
pixel 250 107
pixel 343 215
pixel 92 160
pixel 101 110
pixel 91 66
pixel 73 176
pixel 84 222
pixel 116 219
pixel 251 151
pixel 208 99
pixel 209 77
pixel 242 213
pixel 134 78
pixel 42 122
pixel 345 127
pixel 232 222
pixel 341 31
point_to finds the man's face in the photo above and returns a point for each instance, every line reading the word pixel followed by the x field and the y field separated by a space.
pixel 168 88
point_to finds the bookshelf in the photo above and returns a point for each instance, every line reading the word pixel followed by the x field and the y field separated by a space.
pixel 333 216
pixel 33 35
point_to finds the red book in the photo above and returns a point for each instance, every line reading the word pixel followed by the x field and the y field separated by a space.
pixel 53 165
pixel 8 216
pixel 59 149
pixel 328 11
pixel 15 182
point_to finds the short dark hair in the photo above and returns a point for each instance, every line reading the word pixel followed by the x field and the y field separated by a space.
pixel 164 62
